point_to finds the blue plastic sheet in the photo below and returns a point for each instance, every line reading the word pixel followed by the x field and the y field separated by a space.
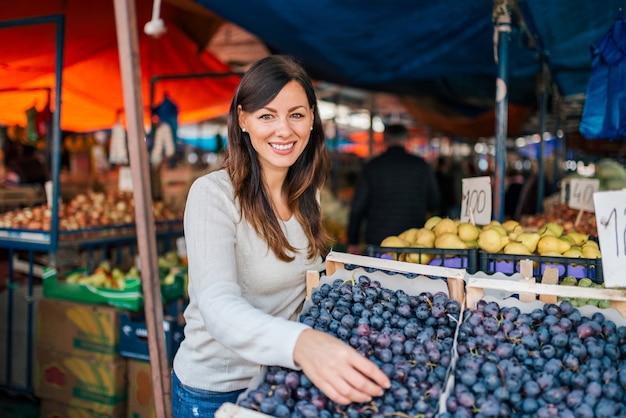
pixel 604 112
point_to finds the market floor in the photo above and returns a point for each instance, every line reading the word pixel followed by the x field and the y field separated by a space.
pixel 18 406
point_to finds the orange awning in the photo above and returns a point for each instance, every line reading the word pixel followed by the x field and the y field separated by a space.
pixel 92 89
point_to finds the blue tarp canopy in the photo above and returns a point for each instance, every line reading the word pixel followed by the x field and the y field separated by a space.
pixel 441 50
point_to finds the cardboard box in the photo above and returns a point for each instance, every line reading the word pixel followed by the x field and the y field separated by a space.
pixel 52 409
pixel 140 396
pixel 80 382
pixel 79 329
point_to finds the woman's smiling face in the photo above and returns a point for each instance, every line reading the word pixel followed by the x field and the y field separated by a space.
pixel 280 130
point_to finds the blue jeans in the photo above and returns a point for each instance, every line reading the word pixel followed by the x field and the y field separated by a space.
pixel 189 402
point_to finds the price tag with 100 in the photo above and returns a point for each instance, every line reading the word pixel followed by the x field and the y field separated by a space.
pixel 611 221
pixel 476 200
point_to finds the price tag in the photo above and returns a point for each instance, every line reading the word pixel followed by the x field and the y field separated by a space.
pixel 581 193
pixel 476 200
pixel 611 220
pixel 125 179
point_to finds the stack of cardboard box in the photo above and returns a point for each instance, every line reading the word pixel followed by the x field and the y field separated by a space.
pixel 78 368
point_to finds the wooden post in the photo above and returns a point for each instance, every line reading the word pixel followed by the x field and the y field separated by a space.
pixel 128 46
pixel 550 276
pixel 312 281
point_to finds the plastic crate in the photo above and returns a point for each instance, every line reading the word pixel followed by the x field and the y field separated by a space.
pixel 131 297
pixel 463 258
pixel 567 266
pixel 134 337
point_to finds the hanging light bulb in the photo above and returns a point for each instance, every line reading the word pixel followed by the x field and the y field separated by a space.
pixel 155 27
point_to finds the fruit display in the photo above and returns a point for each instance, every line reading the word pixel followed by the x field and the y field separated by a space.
pixel 92 210
pixel 115 287
pixel 508 237
pixel 410 337
pixel 106 276
pixel 562 214
pixel 552 361
pixel 584 282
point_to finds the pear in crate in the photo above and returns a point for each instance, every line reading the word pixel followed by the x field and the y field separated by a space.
pixel 394 241
pixel 409 234
pixel 496 227
pixel 492 241
pixel 516 248
pixel 425 237
pixel 432 222
pixel 573 253
pixel 471 244
pixel 551 228
pixel 510 224
pixel 529 239
pixel 445 226
pixel 514 233
pixel 450 241
pixel 578 237
pixel 418 258
pixel 467 231
pixel 551 244
pixel 591 251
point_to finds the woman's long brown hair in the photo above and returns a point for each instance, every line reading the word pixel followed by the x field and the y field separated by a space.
pixel 305 179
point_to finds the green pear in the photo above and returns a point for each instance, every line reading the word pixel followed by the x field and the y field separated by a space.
pixel 432 222
pixel 445 226
pixel 577 237
pixel 450 241
pixel 515 248
pixel 551 244
pixel 529 239
pixel 425 237
pixel 467 231
pixel 492 241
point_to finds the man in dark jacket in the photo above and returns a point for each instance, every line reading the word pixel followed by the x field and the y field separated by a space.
pixel 395 192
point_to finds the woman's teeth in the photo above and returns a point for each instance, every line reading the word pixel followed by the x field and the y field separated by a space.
pixel 282 146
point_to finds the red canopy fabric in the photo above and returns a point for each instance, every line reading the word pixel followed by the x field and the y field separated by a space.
pixel 92 89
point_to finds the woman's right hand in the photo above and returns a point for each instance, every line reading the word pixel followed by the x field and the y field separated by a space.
pixel 337 369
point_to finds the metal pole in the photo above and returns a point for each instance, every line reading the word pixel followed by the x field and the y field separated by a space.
pixel 59 21
pixel 502 32
pixel 128 45
pixel 543 104
pixel 55 161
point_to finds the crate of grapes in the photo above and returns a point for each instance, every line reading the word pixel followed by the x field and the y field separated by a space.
pixel 403 316
pixel 537 354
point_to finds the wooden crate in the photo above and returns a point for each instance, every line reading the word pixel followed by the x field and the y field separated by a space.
pixel 548 290
pixel 335 261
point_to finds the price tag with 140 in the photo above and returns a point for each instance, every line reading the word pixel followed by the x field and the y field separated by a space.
pixel 611 220
pixel 476 201
pixel 581 193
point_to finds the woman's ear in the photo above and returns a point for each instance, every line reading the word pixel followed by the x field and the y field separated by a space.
pixel 241 117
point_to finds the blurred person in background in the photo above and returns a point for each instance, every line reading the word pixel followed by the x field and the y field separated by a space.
pixel 396 191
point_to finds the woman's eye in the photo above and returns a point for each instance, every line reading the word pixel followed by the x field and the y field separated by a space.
pixel 266 116
pixel 297 115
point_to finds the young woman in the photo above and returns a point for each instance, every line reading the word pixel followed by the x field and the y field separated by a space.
pixel 252 229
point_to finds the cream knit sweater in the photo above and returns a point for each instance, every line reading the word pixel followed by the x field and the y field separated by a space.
pixel 243 301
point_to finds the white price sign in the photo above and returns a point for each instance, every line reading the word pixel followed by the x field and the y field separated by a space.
pixel 125 179
pixel 476 200
pixel 611 220
pixel 581 193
